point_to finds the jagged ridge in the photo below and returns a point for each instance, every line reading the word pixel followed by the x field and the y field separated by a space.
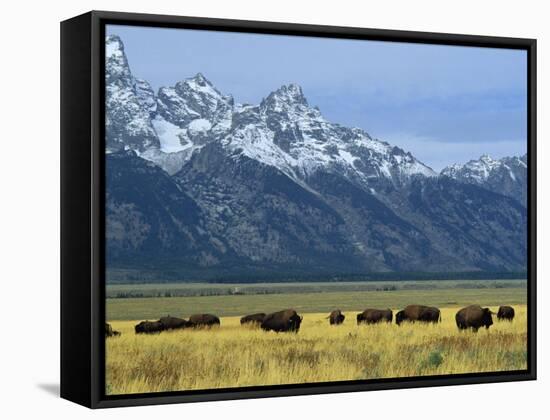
pixel 283 131
pixel 506 176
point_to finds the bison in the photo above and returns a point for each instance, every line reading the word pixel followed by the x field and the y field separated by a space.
pixel 149 327
pixel 282 321
pixel 255 319
pixel 373 316
pixel 204 320
pixel 173 323
pixel 336 317
pixel 506 313
pixel 418 313
pixel 109 332
pixel 474 317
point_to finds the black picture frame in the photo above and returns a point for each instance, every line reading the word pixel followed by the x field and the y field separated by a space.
pixel 82 207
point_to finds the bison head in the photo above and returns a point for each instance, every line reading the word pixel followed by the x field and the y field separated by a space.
pixel 399 317
pixel 139 328
pixel 487 319
pixel 294 323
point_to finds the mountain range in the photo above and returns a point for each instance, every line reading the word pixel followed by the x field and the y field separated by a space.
pixel 201 187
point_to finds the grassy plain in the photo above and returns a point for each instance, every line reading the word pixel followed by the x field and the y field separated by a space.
pixel 236 356
pixel 232 355
pixel 306 297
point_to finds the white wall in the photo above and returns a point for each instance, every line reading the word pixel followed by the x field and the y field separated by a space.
pixel 29 227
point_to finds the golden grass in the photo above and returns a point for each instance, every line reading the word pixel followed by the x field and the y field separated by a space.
pixel 236 356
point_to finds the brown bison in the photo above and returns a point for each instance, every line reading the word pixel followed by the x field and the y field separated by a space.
pixel 336 317
pixel 109 332
pixel 149 327
pixel 282 321
pixel 506 313
pixel 204 320
pixel 173 323
pixel 418 313
pixel 474 317
pixel 256 319
pixel 373 316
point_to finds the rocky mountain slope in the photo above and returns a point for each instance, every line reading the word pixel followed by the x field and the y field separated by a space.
pixel 506 176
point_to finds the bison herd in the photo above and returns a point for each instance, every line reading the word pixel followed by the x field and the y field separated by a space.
pixel 287 320
pixel 471 317
pixel 172 323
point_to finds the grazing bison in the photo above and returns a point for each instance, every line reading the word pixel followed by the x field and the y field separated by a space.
pixel 109 332
pixel 204 320
pixel 506 313
pixel 282 321
pixel 253 319
pixel 474 317
pixel 336 317
pixel 420 313
pixel 149 327
pixel 373 316
pixel 172 323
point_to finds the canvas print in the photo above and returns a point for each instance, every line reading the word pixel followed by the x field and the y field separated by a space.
pixel 297 210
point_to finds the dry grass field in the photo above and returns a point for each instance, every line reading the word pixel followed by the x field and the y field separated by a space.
pixel 236 356
pixel 308 297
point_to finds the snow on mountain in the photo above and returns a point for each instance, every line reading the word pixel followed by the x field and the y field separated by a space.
pixel 480 170
pixel 475 170
pixel 116 62
pixel 146 95
pixel 195 98
pixel 187 116
pixel 172 138
pixel 162 127
pixel 507 176
pixel 128 121
pixel 282 131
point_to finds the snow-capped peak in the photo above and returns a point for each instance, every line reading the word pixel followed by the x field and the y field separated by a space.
pixel 193 98
pixel 485 168
pixel 200 86
pixel 290 94
pixel 488 160
pixel 200 80
pixel 284 131
pixel 479 169
pixel 288 98
pixel 116 64
pixel 128 103
pixel 113 46
pixel 507 176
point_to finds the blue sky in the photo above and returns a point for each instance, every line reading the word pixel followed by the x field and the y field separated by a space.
pixel 445 104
